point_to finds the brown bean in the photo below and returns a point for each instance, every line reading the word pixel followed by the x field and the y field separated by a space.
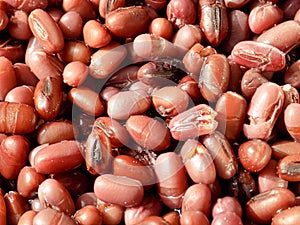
pixel 172 218
pixel 196 121
pixel 18 118
pixel 21 94
pixel 50 216
pixel 2 209
pixel 48 97
pixel 4 19
pixel 283 148
pixel 96 34
pixel 162 27
pixel 46 30
pixel 24 75
pixel 87 100
pixel 193 217
pixel 214 77
pixel 55 131
pixel 106 60
pixel 27 6
pixel 289 215
pixel 87 198
pixel 287 168
pixel 127 21
pixel 84 7
pixel 88 215
pixel 71 25
pixel 111 213
pixel 124 77
pixel 27 218
pixel 48 159
pixel 292 73
pixel 291 120
pixel 190 86
pixel 264 109
pixel 14 151
pixel 106 6
pixel 171 178
pixel 119 190
pixel 253 54
pixel 7 77
pixel 227 204
pixel 231 111
pixel 276 199
pixel 227 218
pixel 198 162
pixel 18 26
pixel 54 194
pixel 235 3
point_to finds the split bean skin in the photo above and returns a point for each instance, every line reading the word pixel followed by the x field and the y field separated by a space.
pixel 149 112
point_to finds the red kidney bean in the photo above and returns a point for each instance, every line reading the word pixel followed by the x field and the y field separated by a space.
pixel 264 109
pixel 55 131
pixel 18 26
pixel 111 188
pixel 84 7
pixel 230 119
pixel 291 74
pixel 7 77
pixel 238 29
pixel 170 101
pixel 2 209
pixel 48 97
pixel 227 218
pixel 71 24
pixel 254 155
pixel 287 168
pixel 171 178
pixel 150 206
pixel 196 121
pixel 21 94
pixel 148 132
pixel 258 15
pixel 287 42
pixel 96 34
pixel 222 154
pixel 15 207
pixel 50 216
pixel 27 218
pixel 276 199
pixel 198 162
pixel 126 103
pixel 75 50
pixel 56 158
pixel 253 54
pixel 181 12
pixel 213 20
pixel 227 204
pixel 54 194
pixel 88 215
pixel 14 151
pixel 127 21
pixel 28 181
pixel 111 213
pixel 282 148
pixel 214 77
pixel 289 215
pixel 87 100
pixel 152 47
pixel 46 30
pixel 125 165
pixel 27 6
pixel 162 27
pixel 188 35
pixel 193 217
pixel 291 120
pixel 116 132
pixel 24 75
pixel 101 65
pixel 269 179
pixel 18 118
pixel 197 198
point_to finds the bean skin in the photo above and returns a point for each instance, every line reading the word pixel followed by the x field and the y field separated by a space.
pixel 19 118
pixel 258 55
pixel 27 218
pixel 227 204
pixel 120 190
pixel 88 215
pixel 27 6
pixel 18 26
pixel 287 216
pixel 111 213
pixel 84 7
pixel 292 120
pixel 71 24
pixel 227 218
pixel 50 216
pixel 193 217
pixel 7 77
pixel 21 94
pixel 283 148
pixel 287 168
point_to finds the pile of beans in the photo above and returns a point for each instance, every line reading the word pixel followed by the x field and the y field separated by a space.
pixel 149 112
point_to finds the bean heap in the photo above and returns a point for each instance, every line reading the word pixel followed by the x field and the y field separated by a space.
pixel 149 112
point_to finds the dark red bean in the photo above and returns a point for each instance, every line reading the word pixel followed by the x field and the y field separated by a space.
pixel 172 218
pixel 71 24
pixel 106 6
pixel 120 190
pixel 87 198
pixel 155 220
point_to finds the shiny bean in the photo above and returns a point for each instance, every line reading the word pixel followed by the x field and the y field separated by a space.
pixel 88 215
pixel 7 77
pixel 27 218
pixel 2 208
pixel 84 7
pixel 291 120
pixel 54 194
pixel 106 6
pixel 71 24
pixel 172 217
pixel 198 162
pixel 51 216
pixel 75 73
pixel 162 27
pixel 193 217
pixel 190 86
pixel 289 215
pixel 155 220
pixel 282 148
pixel 148 132
pixel 55 158
pixel 196 121
pixel 96 34
pixel 4 20
pixel 253 54
pixel 18 26
pixel 27 6
pixel 227 204
pixel 18 118
pixel 21 94
pixel 292 73
pixel 171 178
pixel 24 75
pixel 120 190
pixel 264 109
pixel 111 213
pixel 235 3
pixel 87 198
pixel 287 168
pixel 227 218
